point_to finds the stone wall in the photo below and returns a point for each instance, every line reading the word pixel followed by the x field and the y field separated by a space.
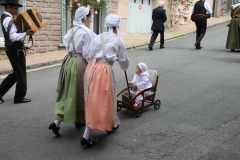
pixel 47 38
pixel 112 6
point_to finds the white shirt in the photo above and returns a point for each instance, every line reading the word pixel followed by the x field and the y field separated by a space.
pixel 115 50
pixel 13 35
pixel 235 6
pixel 207 7
pixel 142 81
pixel 83 40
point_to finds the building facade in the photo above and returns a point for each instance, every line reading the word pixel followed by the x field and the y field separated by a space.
pixel 48 38
pixel 56 14
pixel 135 14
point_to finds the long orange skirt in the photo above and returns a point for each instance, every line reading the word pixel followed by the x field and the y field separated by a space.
pixel 99 106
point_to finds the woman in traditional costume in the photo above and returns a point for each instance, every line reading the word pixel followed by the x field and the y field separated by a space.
pixel 99 81
pixel 70 101
pixel 233 39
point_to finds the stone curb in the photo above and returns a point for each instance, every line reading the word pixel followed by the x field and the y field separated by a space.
pixel 33 66
pixel 41 64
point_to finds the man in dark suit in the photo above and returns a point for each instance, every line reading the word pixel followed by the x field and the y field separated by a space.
pixel 159 17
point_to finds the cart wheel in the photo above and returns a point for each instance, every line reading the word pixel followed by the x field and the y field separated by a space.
pixel 157 104
pixel 119 108
pixel 138 112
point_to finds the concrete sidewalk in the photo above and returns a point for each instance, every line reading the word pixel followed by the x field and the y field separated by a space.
pixel 132 41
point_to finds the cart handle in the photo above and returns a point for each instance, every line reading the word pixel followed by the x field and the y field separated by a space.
pixel 127 85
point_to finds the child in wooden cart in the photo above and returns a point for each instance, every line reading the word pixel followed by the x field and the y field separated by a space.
pixel 141 81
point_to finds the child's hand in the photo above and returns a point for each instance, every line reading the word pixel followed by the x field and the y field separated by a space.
pixel 134 85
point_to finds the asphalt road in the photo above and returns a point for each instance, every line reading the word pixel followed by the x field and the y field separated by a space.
pixel 199 117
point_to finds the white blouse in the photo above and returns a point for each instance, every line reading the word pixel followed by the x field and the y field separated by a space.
pixel 235 6
pixel 83 41
pixel 115 50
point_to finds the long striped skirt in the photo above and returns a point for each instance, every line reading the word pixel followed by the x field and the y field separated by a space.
pixel 70 101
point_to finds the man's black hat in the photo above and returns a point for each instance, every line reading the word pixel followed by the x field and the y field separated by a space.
pixel 11 2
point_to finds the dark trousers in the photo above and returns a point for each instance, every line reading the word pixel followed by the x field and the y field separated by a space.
pixel 201 24
pixel 154 37
pixel 19 74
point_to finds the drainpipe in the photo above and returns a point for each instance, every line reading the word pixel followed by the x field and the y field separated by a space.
pixel 214 1
pixel 64 22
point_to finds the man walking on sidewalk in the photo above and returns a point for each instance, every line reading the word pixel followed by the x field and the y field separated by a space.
pixel 201 12
pixel 159 17
pixel 14 51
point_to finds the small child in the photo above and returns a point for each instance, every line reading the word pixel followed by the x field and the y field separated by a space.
pixel 141 81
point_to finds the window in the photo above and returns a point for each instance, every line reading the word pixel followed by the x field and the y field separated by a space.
pixel 142 1
pixel 149 2
pixel 2 8
pixel 134 1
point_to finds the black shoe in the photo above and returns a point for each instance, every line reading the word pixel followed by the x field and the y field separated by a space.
pixel 1 100
pixel 113 129
pixel 232 50
pixel 25 100
pixel 162 47
pixel 78 125
pixel 198 47
pixel 85 142
pixel 54 129
pixel 150 48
